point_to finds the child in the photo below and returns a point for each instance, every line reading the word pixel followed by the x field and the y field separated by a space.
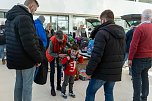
pixel 69 63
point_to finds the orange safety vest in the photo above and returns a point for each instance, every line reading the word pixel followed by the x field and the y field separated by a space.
pixel 56 47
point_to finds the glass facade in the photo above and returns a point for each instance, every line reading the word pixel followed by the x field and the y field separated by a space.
pixel 2 17
pixel 2 14
pixel 60 22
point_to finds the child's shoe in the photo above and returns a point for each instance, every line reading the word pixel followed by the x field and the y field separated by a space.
pixel 63 95
pixel 72 94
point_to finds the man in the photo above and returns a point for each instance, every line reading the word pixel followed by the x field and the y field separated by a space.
pixel 43 38
pixel 40 30
pixel 140 56
pixel 107 58
pixel 2 42
pixel 55 52
pixel 22 46
pixel 129 35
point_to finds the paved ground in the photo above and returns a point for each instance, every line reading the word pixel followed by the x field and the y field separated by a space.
pixel 122 90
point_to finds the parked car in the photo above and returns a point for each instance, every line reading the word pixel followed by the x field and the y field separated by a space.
pixel 132 19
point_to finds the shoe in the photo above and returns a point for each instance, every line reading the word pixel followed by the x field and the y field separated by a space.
pixel 58 88
pixel 72 94
pixel 64 95
pixel 3 61
pixel 53 92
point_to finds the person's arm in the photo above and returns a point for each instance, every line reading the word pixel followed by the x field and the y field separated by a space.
pixel 29 39
pixel 97 53
pixel 65 60
pixel 80 59
pixel 134 43
pixel 42 34
pixel 50 50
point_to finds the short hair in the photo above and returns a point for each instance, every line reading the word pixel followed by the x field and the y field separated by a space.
pixel 27 2
pixel 41 18
pixel 147 14
pixel 59 34
pixel 108 14
pixel 75 46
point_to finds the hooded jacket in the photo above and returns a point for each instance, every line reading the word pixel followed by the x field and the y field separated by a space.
pixel 107 57
pixel 41 32
pixel 22 43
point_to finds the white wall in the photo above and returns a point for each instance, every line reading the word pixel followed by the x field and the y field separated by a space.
pixel 91 7
pixel 87 7
pixel 121 7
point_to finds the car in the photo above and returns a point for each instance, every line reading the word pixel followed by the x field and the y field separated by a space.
pixel 132 19
pixel 93 22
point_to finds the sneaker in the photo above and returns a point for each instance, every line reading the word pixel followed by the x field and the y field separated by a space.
pixel 64 95
pixel 72 94
pixel 53 92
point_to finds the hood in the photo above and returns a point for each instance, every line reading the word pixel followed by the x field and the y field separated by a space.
pixel 115 30
pixel 37 21
pixel 15 11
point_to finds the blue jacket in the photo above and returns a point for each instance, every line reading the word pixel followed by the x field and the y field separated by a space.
pixel 41 32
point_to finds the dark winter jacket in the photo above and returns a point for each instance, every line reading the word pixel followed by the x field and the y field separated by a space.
pixel 107 57
pixel 2 35
pixel 22 43
pixel 129 35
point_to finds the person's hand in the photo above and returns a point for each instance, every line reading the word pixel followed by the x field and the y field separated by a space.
pixel 38 64
pixel 62 55
pixel 89 76
pixel 68 57
pixel 129 63
pixel 79 55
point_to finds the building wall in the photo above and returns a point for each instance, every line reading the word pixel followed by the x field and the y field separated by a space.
pixel 83 7
pixel 123 7
pixel 91 7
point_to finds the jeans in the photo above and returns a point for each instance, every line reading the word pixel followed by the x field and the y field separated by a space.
pixel 2 51
pixel 52 72
pixel 140 69
pixel 95 84
pixel 70 80
pixel 23 84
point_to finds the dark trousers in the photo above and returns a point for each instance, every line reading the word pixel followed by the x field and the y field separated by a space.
pixel 140 69
pixel 70 80
pixel 52 72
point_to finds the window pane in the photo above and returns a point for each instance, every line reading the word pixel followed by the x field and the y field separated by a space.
pixel 63 25
pixel 1 14
pixel 54 23
pixel 62 18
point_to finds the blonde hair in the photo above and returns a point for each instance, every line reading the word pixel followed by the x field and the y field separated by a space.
pixel 49 24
